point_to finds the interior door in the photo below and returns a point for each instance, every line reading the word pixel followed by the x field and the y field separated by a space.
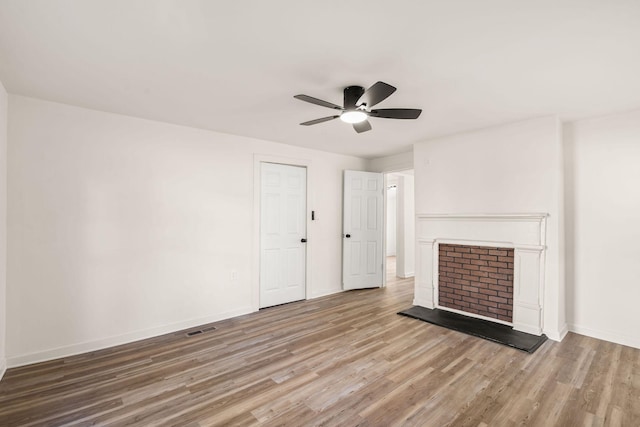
pixel 362 255
pixel 283 231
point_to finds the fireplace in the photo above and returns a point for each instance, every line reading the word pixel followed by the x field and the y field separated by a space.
pixel 476 280
pixel 522 235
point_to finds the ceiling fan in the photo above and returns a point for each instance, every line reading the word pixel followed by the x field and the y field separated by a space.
pixel 357 106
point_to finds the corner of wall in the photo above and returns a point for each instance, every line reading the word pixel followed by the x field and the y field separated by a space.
pixel 562 326
pixel 4 110
pixel 568 206
pixel 393 163
pixel 601 203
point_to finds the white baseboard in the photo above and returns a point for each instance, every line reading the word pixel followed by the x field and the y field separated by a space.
pixel 71 350
pixel 558 335
pixel 408 275
pixel 423 303
pixel 326 293
pixel 564 331
pixel 611 336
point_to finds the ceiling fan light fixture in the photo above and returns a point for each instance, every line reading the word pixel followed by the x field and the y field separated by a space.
pixel 353 116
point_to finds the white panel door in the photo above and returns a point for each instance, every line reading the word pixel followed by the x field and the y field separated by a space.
pixel 362 256
pixel 283 229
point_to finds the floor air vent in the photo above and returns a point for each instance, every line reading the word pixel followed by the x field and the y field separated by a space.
pixel 201 331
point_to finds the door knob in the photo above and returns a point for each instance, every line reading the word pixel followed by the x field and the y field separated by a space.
pixel 348 236
pixel 303 240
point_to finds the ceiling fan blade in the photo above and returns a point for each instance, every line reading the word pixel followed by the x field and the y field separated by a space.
pixel 362 126
pixel 317 101
pixel 316 121
pixel 396 113
pixel 375 94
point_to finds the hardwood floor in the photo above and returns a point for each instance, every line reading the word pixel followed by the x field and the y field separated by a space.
pixel 342 360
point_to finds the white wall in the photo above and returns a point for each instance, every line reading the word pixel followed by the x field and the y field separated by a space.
pixel 122 228
pixel 406 241
pixel 391 220
pixel 3 226
pixel 393 163
pixel 603 232
pixel 515 168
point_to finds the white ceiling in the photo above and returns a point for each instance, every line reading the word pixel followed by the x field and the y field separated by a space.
pixel 234 66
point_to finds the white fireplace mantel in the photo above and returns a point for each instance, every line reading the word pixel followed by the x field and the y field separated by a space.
pixel 525 232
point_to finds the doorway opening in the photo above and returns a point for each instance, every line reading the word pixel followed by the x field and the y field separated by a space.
pixel 400 226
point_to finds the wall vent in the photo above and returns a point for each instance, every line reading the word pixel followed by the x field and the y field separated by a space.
pixel 201 331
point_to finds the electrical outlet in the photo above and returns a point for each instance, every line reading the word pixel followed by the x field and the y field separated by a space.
pixel 234 274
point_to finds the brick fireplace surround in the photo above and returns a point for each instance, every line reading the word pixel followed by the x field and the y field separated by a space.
pixel 476 279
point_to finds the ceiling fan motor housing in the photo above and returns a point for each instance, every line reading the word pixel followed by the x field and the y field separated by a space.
pixel 351 96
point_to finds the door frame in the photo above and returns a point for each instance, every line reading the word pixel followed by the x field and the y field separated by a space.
pixel 386 172
pixel 258 159
pixel 385 177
